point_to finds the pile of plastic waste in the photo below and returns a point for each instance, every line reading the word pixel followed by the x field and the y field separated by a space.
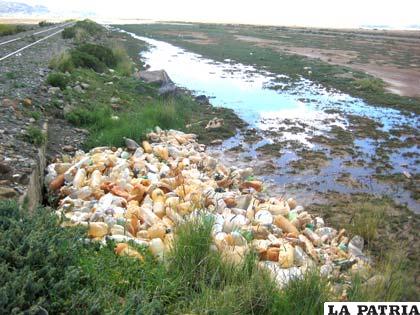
pixel 141 193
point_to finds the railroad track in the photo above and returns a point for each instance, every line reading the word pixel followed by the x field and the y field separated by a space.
pixel 14 46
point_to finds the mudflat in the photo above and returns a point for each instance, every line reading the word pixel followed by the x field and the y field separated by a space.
pixel 393 56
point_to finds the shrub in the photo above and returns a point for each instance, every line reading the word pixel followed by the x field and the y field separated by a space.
pixel 86 27
pixel 35 266
pixel 124 64
pixel 8 29
pixel 95 57
pixel 82 59
pixel 45 23
pixel 11 75
pixel 68 32
pixel 62 63
pixel 34 135
pixel 102 53
pixel 90 26
pixel 58 80
pixel 81 36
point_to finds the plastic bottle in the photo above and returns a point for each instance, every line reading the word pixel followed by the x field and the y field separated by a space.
pixel 148 216
pixel 79 178
pixel 97 229
pixel 286 255
pixel 314 238
pixel 147 147
pixel 157 247
pixel 285 225
pixel 264 217
pixel 157 231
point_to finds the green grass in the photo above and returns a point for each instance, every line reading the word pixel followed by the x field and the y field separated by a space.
pixel 11 75
pixel 96 57
pixel 10 29
pixel 369 85
pixel 109 129
pixel 212 285
pixel 37 271
pixel 304 296
pixel 167 114
pixel 45 265
pixel 391 283
pixel 58 79
pixel 123 63
pixel 132 47
pixel 139 110
pixel 62 62
pixel 226 45
pixel 35 267
pixel 35 115
pixel 367 220
pixel 34 135
pixel 83 30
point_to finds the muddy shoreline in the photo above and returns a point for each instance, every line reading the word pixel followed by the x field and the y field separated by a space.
pixel 341 172
pixel 322 141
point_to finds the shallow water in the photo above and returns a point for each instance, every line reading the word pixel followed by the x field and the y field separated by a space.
pixel 272 113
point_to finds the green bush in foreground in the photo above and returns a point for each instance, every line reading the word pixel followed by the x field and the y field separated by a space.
pixel 102 53
pixel 96 57
pixel 58 80
pixel 82 59
pixel 124 65
pixel 36 269
pixel 62 63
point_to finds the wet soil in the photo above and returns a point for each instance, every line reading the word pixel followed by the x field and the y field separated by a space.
pixel 363 157
pixel 393 59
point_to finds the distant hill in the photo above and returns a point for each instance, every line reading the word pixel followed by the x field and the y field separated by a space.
pixel 14 8
pixel 414 26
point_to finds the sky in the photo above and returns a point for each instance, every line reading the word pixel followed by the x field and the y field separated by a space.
pixel 331 13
